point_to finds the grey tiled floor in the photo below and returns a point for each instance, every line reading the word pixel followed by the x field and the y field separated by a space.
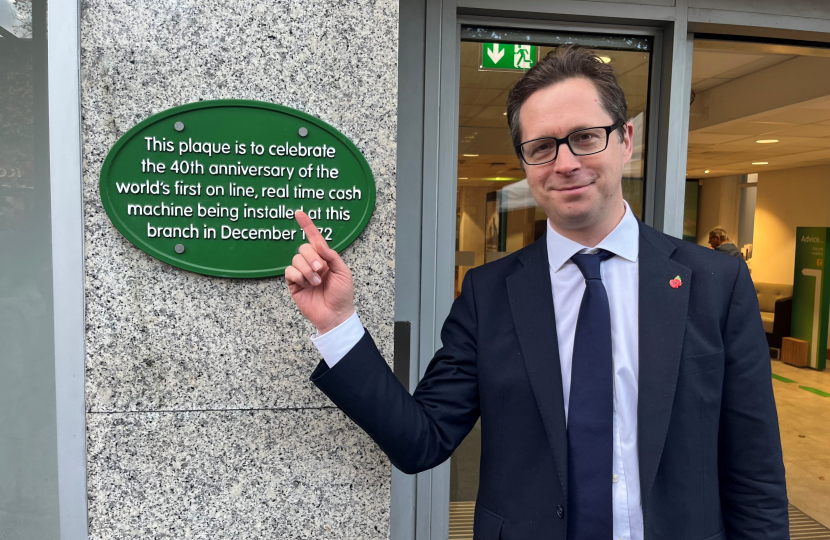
pixel 804 420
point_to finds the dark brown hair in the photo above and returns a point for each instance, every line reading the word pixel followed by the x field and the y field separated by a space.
pixel 567 62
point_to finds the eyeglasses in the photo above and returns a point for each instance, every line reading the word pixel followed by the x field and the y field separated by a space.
pixel 582 142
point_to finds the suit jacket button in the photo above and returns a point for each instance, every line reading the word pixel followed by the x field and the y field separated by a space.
pixel 560 512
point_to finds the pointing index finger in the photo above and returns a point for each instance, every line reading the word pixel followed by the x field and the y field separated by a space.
pixel 311 232
pixel 316 240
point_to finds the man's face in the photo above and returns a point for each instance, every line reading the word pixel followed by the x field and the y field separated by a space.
pixel 576 192
pixel 714 241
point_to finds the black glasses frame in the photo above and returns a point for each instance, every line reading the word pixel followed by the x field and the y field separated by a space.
pixel 565 140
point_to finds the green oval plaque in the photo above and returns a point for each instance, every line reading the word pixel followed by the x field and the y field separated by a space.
pixel 212 187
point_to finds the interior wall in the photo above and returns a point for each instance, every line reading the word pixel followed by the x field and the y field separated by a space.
pixel 472 202
pixel 717 207
pixel 787 199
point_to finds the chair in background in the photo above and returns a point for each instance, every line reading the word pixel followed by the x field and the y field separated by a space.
pixel 776 303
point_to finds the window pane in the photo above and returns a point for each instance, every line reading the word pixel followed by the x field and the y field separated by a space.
pixel 28 448
pixel 759 149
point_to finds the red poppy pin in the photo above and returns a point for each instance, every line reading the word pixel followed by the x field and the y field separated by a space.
pixel 676 282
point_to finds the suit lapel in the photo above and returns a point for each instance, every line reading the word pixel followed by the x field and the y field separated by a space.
pixel 662 324
pixel 531 304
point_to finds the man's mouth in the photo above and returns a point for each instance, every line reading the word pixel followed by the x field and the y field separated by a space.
pixel 572 189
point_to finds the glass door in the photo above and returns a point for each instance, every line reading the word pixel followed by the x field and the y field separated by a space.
pixel 495 213
pixel 759 163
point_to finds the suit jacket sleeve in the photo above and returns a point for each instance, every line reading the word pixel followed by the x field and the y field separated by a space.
pixel 750 462
pixel 421 430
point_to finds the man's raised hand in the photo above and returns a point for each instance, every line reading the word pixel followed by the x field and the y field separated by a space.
pixel 319 281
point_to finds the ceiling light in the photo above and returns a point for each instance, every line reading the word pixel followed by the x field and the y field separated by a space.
pixel 605 59
pixel 760 162
pixel 470 155
pixel 463 178
pixel 767 141
pixel 504 113
pixel 706 171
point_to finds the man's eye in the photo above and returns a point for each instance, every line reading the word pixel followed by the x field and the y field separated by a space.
pixel 540 149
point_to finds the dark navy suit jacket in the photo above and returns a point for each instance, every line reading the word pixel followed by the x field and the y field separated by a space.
pixel 709 448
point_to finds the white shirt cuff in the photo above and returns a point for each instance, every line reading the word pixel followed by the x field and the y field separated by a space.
pixel 338 341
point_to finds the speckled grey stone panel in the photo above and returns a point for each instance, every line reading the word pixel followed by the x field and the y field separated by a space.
pixel 162 338
pixel 246 475
pixel 244 446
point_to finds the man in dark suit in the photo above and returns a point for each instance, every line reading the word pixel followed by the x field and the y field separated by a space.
pixel 621 375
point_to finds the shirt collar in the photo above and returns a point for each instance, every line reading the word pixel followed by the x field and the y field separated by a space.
pixel 623 241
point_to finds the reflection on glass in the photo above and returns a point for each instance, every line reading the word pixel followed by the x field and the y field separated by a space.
pixel 690 211
pixel 28 447
pixel 496 213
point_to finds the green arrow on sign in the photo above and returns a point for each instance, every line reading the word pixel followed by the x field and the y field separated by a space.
pixel 495 52
pixel 510 56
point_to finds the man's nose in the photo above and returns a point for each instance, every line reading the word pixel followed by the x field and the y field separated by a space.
pixel 566 162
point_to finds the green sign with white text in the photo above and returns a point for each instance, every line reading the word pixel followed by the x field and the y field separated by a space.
pixel 212 187
pixel 512 56
pixel 811 293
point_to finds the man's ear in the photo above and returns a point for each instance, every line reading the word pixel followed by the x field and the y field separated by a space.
pixel 628 142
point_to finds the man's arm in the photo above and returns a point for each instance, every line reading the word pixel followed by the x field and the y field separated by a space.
pixel 416 431
pixel 751 468
pixel 421 430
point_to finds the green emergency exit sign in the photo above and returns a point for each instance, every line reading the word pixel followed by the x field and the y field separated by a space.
pixel 512 56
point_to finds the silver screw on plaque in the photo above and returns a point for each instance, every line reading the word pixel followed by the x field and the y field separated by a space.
pixel 303 132
pixel 179 126
pixel 179 248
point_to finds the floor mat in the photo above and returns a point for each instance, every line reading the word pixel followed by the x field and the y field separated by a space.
pixel 461 520
pixel 803 527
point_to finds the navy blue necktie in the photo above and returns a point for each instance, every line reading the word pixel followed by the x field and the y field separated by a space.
pixel 591 410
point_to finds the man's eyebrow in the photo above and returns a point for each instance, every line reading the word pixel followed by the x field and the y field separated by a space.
pixel 581 126
pixel 566 133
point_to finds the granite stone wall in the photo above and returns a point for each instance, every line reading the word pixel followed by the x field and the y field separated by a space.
pixel 201 420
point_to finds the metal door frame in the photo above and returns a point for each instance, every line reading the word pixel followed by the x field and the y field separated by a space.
pixel 420 504
pixel 65 169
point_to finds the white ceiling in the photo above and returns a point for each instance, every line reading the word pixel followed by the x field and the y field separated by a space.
pixel 729 148
pixel 713 68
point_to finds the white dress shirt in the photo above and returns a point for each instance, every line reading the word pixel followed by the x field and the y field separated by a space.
pixel 620 275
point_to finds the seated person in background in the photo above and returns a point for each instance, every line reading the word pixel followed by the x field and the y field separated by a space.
pixel 720 242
